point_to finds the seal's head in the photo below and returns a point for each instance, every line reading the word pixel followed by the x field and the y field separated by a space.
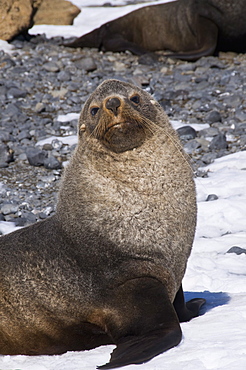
pixel 119 115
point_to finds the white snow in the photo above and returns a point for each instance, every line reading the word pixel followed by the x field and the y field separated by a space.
pixel 217 339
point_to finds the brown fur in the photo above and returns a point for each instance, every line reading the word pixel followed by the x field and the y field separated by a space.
pixel 188 28
pixel 107 267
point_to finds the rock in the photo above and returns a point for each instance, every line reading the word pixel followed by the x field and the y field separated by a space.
pixel 51 163
pixel 56 12
pixel 14 92
pixel 192 146
pixel 218 142
pixel 148 59
pixel 16 17
pixel 87 64
pixel 237 250
pixel 36 156
pixel 186 133
pixel 213 116
pixel 51 67
pixel 211 197
pixel 6 155
pixel 8 208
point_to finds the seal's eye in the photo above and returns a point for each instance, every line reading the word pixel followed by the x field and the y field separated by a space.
pixel 94 111
pixel 135 99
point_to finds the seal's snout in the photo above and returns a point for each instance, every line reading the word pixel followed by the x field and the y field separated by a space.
pixel 113 104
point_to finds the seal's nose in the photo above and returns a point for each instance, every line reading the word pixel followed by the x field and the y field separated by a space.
pixel 113 104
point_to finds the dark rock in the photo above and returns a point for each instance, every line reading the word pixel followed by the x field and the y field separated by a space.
pixel 192 146
pixel 36 156
pixel 29 217
pixel 19 221
pixel 211 197
pixel 148 59
pixel 6 155
pixel 186 133
pixel 52 163
pixel 237 250
pixel 14 92
pixel 213 116
pixel 218 142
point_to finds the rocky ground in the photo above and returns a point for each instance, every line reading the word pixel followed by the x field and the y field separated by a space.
pixel 41 80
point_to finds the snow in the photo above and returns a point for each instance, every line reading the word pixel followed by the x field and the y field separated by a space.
pixel 215 340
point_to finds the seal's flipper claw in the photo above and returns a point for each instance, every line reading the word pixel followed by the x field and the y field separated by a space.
pixel 139 349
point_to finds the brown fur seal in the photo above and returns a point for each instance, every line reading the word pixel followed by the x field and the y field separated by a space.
pixel 108 266
pixel 188 28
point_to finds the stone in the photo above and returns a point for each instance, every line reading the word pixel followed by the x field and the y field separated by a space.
pixel 211 197
pixel 6 155
pixel 56 12
pixel 14 92
pixel 36 156
pixel 51 163
pixel 186 133
pixel 213 116
pixel 218 142
pixel 16 17
pixel 88 64
pixel 237 250
pixel 9 208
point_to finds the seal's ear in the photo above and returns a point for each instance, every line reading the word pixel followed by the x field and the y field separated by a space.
pixel 82 129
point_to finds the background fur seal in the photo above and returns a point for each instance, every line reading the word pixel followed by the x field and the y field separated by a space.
pixel 108 267
pixel 188 28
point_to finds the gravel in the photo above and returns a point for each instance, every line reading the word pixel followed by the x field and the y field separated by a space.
pixel 42 79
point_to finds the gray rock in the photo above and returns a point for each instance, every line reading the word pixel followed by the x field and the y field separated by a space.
pixel 218 142
pixel 192 146
pixel 36 156
pixel 14 92
pixel 186 133
pixel 51 67
pixel 52 163
pixel 8 208
pixel 237 250
pixel 211 197
pixel 86 64
pixel 213 116
pixel 6 155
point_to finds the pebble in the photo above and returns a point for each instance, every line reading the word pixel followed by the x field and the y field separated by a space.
pixel 237 250
pixel 42 79
pixel 186 133
pixel 218 142
pixel 211 197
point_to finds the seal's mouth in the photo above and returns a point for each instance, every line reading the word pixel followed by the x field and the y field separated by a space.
pixel 124 135
pixel 119 125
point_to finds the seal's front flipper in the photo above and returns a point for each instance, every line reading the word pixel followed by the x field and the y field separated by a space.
pixel 186 311
pixel 142 323
pixel 136 350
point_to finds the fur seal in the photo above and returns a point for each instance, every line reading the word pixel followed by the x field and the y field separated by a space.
pixel 107 268
pixel 190 29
